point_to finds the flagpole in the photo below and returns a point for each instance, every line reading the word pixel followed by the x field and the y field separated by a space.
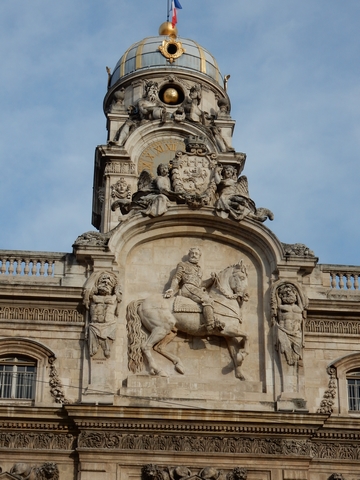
pixel 168 10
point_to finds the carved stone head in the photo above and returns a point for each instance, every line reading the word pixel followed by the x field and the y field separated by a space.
pixel 288 294
pixel 194 254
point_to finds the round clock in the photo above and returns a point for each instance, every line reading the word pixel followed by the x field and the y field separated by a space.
pixel 160 151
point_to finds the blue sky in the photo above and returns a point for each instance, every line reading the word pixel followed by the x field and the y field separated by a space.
pixel 295 94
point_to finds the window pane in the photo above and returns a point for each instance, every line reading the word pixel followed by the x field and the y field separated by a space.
pixel 354 393
pixel 17 381
pixel 5 383
pixel 25 383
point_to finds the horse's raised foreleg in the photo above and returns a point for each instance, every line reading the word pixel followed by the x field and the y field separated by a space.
pixel 159 347
pixel 157 334
pixel 238 354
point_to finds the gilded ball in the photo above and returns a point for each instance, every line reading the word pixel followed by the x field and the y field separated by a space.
pixel 166 28
pixel 171 96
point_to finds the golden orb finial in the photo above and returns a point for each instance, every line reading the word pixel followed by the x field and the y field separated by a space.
pixel 166 28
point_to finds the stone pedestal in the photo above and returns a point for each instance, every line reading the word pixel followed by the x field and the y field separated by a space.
pixel 100 389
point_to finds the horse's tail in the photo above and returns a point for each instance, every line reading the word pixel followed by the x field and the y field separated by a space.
pixel 136 336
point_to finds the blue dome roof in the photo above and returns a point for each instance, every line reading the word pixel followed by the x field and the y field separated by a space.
pixel 146 55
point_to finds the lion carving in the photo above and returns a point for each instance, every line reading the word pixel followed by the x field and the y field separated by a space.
pixel 46 471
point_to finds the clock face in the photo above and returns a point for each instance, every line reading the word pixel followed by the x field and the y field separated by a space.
pixel 161 151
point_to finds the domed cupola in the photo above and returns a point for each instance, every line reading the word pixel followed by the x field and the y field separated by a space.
pixel 166 95
pixel 172 53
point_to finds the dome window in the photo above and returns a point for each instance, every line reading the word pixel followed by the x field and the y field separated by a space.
pixel 171 49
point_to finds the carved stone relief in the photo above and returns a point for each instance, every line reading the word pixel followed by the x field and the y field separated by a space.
pixel 298 250
pixel 234 444
pixel 46 471
pixel 288 310
pixel 200 308
pixel 127 128
pixel 102 296
pixel 150 107
pixel 94 239
pixel 192 173
pixel 234 200
pixel 327 403
pixel 154 472
pixel 56 387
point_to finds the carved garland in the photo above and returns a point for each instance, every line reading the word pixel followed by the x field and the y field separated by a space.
pixel 327 403
pixel 56 387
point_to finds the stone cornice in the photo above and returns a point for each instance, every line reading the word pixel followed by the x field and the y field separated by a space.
pixel 194 420
pixel 42 293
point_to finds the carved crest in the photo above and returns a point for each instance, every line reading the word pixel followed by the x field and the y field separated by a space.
pixel 193 172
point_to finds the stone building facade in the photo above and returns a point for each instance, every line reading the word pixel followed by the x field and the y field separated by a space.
pixel 181 339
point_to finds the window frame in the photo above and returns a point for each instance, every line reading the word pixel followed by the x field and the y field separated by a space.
pixel 344 366
pixel 39 354
pixel 17 377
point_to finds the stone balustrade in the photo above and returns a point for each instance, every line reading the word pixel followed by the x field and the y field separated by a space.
pixel 341 277
pixel 26 265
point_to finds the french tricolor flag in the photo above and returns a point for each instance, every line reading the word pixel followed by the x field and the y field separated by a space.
pixel 174 5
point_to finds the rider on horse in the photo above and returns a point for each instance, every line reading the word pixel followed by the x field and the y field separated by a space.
pixel 188 278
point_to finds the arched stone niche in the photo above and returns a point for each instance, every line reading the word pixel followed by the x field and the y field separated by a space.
pixel 147 253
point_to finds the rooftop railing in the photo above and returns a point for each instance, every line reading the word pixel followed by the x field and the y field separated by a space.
pixel 341 277
pixel 31 266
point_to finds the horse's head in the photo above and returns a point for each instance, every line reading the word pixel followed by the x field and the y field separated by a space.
pixel 233 282
pixel 238 281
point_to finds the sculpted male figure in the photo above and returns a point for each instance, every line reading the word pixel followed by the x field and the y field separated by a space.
pixel 188 278
pixel 289 324
pixel 288 312
pixel 102 300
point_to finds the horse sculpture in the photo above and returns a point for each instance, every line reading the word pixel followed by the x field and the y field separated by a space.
pixel 158 316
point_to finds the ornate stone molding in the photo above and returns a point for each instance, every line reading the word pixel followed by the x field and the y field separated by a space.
pixel 297 250
pixel 198 428
pixel 39 441
pixel 337 327
pixel 122 168
pixel 219 444
pixel 327 403
pixel 92 239
pixel 34 314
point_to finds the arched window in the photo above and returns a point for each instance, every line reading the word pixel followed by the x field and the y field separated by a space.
pixel 17 377
pixel 353 386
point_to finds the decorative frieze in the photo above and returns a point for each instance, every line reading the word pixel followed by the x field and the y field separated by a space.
pixel 340 327
pixel 219 444
pixel 39 441
pixel 37 314
pixel 120 168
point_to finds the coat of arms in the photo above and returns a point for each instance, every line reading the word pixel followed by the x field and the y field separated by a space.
pixel 193 173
